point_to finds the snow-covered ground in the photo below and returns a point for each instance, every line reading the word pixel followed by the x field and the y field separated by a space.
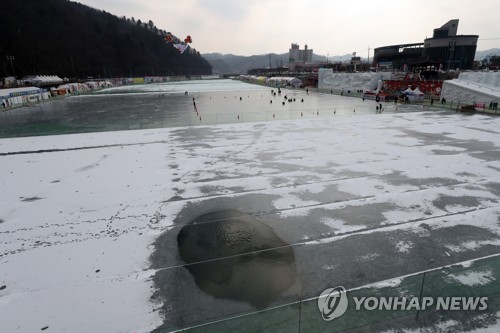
pixel 359 199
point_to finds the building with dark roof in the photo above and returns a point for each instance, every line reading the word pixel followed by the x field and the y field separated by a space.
pixel 396 56
pixel 445 50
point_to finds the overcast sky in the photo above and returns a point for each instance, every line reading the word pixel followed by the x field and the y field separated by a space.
pixel 253 27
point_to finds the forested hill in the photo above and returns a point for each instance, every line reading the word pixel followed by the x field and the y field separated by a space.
pixel 60 37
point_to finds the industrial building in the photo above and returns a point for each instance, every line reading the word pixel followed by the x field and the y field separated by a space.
pixel 445 50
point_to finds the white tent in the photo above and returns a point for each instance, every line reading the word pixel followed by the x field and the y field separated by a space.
pixel 417 92
pixel 278 81
pixel 43 80
pixel 414 95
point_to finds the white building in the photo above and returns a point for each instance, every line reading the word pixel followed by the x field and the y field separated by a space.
pixel 295 54
pixel 20 96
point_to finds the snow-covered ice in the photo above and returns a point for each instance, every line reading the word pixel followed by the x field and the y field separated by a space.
pixel 359 199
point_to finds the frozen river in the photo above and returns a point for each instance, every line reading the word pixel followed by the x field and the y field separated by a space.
pixel 167 105
pixel 239 226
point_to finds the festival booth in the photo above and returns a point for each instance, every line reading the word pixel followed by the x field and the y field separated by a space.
pixel 413 96
pixel 71 88
pixel 20 96
pixel 262 80
pixel 377 95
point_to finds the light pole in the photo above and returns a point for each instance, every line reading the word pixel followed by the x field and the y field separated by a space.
pixel 452 50
pixel 12 58
pixel 369 59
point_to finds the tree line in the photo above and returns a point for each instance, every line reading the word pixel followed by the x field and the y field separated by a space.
pixel 60 37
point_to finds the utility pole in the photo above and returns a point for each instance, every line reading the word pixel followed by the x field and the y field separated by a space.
pixel 369 58
pixel 12 58
pixel 73 67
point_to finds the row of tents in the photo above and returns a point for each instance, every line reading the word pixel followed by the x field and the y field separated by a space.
pixel 43 80
pixel 17 96
pixel 80 88
pixel 32 80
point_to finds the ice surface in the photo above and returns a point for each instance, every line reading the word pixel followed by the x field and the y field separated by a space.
pixel 80 214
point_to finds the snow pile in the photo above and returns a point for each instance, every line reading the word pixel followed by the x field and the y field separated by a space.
pixel 327 79
pixel 479 87
pixel 488 79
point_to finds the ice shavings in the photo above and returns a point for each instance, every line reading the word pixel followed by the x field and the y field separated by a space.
pixel 474 278
pixel 472 245
pixel 292 201
pixel 369 186
pixel 369 257
pixel 391 283
pixel 340 226
pixel 404 246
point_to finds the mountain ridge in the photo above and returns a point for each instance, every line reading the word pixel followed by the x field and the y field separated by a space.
pixel 238 64
pixel 69 39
